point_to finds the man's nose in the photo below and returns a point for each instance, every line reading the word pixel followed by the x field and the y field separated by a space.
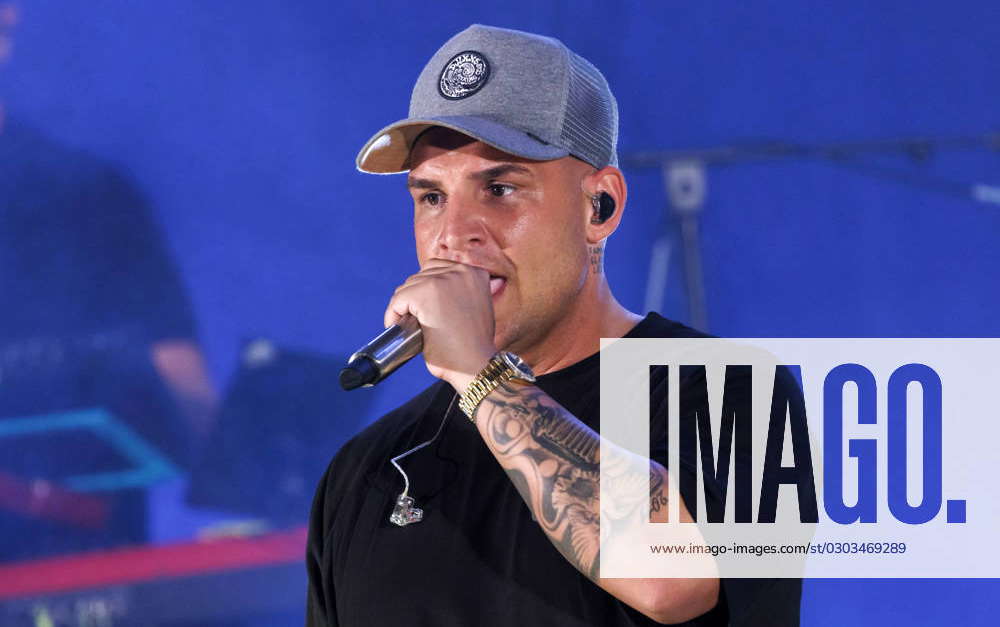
pixel 462 230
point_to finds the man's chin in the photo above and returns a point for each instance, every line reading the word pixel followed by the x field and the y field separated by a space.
pixel 502 339
pixel 510 338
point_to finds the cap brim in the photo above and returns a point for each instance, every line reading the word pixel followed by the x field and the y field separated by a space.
pixel 388 151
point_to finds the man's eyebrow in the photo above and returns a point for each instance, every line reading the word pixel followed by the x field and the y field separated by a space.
pixel 501 170
pixel 483 175
pixel 415 183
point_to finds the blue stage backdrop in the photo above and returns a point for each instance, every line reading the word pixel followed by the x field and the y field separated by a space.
pixel 239 122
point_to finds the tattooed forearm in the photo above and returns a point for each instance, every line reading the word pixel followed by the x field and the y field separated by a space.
pixel 569 439
pixel 657 492
pixel 553 461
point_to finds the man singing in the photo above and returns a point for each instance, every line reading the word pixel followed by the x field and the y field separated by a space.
pixel 510 149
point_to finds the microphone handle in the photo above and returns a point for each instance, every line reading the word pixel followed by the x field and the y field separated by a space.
pixel 379 358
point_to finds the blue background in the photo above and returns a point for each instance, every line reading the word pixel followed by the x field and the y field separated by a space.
pixel 240 122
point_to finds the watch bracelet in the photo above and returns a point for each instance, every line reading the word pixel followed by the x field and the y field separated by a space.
pixel 493 375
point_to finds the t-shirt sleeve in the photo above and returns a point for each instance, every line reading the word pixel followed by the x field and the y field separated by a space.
pixel 320 601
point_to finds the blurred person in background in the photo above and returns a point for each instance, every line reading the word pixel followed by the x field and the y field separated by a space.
pixel 92 310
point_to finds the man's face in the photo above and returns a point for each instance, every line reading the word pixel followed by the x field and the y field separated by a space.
pixel 523 221
pixel 8 19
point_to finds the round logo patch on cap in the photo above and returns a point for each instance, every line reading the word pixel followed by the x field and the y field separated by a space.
pixel 463 75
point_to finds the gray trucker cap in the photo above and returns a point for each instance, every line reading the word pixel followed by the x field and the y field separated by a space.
pixel 524 94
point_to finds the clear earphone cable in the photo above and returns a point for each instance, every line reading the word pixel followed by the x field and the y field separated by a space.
pixel 395 460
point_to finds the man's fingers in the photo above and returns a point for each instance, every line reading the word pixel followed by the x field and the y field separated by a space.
pixel 434 271
pixel 398 307
pixel 430 273
pixel 438 263
pixel 437 266
pixel 390 318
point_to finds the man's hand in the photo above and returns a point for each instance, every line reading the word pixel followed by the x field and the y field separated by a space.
pixel 454 306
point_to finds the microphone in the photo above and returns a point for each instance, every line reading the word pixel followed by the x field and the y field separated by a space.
pixel 379 358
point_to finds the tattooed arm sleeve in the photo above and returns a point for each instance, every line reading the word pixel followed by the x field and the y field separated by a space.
pixel 553 460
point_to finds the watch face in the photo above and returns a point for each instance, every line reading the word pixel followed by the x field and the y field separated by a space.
pixel 523 370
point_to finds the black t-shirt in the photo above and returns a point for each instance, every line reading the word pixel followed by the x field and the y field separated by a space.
pixel 477 558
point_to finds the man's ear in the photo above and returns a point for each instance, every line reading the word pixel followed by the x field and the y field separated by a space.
pixel 606 193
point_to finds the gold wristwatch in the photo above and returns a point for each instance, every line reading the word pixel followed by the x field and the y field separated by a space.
pixel 503 367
